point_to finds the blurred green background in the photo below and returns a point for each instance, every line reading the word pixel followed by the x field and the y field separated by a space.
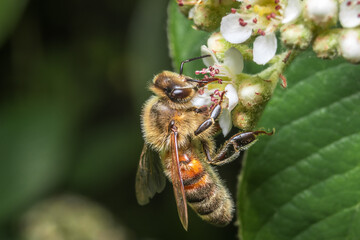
pixel 74 76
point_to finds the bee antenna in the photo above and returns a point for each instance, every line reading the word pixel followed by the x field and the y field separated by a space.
pixel 189 60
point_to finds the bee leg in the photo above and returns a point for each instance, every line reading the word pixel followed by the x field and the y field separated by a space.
pixel 239 142
pixel 200 110
pixel 221 157
pixel 214 114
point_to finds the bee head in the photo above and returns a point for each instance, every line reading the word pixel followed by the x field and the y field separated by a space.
pixel 173 86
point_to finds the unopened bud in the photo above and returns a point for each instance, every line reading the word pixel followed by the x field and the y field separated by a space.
pixel 218 45
pixel 208 13
pixel 250 94
pixel 253 94
pixel 185 6
pixel 322 13
pixel 243 120
pixel 296 35
pixel 349 42
pixel 326 45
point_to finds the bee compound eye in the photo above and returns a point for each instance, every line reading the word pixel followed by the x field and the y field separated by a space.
pixel 180 93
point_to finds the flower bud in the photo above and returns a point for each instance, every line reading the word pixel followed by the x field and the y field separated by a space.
pixel 218 45
pixel 185 6
pixel 253 94
pixel 349 42
pixel 322 13
pixel 296 35
pixel 208 13
pixel 250 94
pixel 243 120
pixel 326 44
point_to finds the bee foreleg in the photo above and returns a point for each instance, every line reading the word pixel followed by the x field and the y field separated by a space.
pixel 214 114
pixel 239 142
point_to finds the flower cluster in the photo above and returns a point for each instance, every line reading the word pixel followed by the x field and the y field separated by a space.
pixel 300 22
pixel 227 70
pixel 248 30
pixel 259 18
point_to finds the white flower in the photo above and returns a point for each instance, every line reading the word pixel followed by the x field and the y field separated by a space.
pixel 261 17
pixel 321 12
pixel 233 64
pixel 350 13
pixel 350 45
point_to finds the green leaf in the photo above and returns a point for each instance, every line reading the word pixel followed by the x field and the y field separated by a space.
pixel 10 12
pixel 184 41
pixel 303 182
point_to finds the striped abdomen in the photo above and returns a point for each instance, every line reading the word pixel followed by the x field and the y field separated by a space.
pixel 204 191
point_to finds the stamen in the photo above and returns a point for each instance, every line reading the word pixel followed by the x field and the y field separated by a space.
pixel 272 15
pixel 254 20
pixel 277 7
pixel 233 10
pixel 243 24
pixel 261 32
pixel 248 6
pixel 277 1
pixel 348 3
pixel 180 3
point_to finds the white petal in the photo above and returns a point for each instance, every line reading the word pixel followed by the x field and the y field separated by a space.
pixel 225 121
pixel 321 12
pixel 234 60
pixel 292 11
pixel 231 94
pixel 349 15
pixel 232 31
pixel 191 13
pixel 209 61
pixel 264 48
pixel 350 45
pixel 204 99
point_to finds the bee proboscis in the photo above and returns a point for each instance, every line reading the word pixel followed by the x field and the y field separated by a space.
pixel 182 135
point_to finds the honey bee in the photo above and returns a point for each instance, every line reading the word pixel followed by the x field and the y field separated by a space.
pixel 183 137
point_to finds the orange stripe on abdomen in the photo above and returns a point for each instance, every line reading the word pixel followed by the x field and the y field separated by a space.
pixel 198 184
pixel 191 170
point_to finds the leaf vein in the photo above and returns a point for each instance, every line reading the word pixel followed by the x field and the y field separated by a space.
pixel 265 152
pixel 312 185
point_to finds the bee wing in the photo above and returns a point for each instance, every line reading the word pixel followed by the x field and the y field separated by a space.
pixel 150 176
pixel 177 182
